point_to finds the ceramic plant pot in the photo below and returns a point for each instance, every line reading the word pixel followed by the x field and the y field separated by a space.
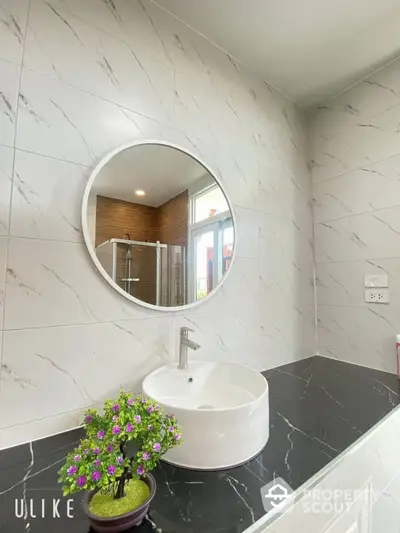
pixel 122 522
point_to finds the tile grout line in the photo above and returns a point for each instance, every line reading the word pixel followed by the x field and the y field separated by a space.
pixel 352 215
pixel 12 189
pixel 350 170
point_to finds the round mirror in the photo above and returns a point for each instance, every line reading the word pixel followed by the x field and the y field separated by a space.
pixel 158 225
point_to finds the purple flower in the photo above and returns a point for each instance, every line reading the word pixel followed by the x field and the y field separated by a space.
pixel 129 428
pixel 170 416
pixel 97 462
pixel 100 434
pixel 157 446
pixel 72 470
pixel 140 470
pixel 120 459
pixel 150 409
pixel 146 456
pixel 171 429
pixel 116 430
pixel 157 407
pixel 144 400
pixel 96 475
pixel 138 419
pixel 96 451
pixel 178 437
pixel 86 451
pixel 131 401
pixel 77 458
pixel 150 427
pixel 88 419
pixel 111 469
pixel 115 418
pixel 109 448
pixel 81 481
pixel 115 408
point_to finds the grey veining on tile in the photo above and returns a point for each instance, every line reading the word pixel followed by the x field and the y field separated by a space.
pixel 355 159
pixel 97 75
pixel 13 17
pixel 107 67
pixel 9 76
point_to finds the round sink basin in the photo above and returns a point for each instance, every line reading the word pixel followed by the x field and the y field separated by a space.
pixel 223 409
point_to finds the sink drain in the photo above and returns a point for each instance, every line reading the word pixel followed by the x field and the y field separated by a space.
pixel 205 406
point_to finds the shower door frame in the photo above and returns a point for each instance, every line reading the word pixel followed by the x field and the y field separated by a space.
pixel 156 245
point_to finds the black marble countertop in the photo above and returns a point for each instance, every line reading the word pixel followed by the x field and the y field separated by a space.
pixel 318 407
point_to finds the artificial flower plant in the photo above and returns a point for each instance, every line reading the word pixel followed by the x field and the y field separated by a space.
pixel 101 461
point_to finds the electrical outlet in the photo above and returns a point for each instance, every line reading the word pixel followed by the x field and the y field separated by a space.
pixel 377 296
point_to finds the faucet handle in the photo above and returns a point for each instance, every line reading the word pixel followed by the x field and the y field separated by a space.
pixel 184 330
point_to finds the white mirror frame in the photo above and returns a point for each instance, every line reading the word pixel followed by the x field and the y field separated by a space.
pixel 92 251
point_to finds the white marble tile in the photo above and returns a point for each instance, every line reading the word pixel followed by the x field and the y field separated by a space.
pixel 187 49
pixel 250 136
pixel 287 335
pixel 47 198
pixel 55 283
pixel 286 309
pixel 287 239
pixel 13 14
pixel 3 263
pixel 386 511
pixel 279 193
pixel 107 67
pixel 368 98
pixel 230 336
pixel 364 143
pixel 362 335
pixel 248 228
pixel 38 429
pixel 224 113
pixel 373 187
pixel 9 77
pixel 69 124
pixel 286 284
pixel 39 364
pixel 6 166
pixel 343 283
pixel 128 20
pixel 366 236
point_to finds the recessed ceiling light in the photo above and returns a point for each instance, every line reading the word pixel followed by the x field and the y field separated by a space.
pixel 140 192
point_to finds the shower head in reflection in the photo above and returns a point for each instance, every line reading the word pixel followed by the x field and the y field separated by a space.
pixel 129 252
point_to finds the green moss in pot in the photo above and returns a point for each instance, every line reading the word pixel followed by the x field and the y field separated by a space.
pixel 119 488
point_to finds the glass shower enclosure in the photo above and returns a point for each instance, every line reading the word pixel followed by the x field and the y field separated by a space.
pixel 150 271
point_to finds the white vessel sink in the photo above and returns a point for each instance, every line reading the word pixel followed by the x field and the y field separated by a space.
pixel 223 409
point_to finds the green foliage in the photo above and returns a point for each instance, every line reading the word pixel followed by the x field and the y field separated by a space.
pixel 100 460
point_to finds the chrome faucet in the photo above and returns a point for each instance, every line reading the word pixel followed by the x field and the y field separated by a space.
pixel 184 344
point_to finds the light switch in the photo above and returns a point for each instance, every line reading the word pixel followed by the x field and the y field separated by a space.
pixel 376 280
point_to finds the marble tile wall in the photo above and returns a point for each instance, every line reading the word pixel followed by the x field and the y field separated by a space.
pixel 355 157
pixel 77 79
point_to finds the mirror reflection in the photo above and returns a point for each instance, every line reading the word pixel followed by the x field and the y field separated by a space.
pixel 160 225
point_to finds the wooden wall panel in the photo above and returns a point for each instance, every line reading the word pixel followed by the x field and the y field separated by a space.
pixel 173 220
pixel 115 218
